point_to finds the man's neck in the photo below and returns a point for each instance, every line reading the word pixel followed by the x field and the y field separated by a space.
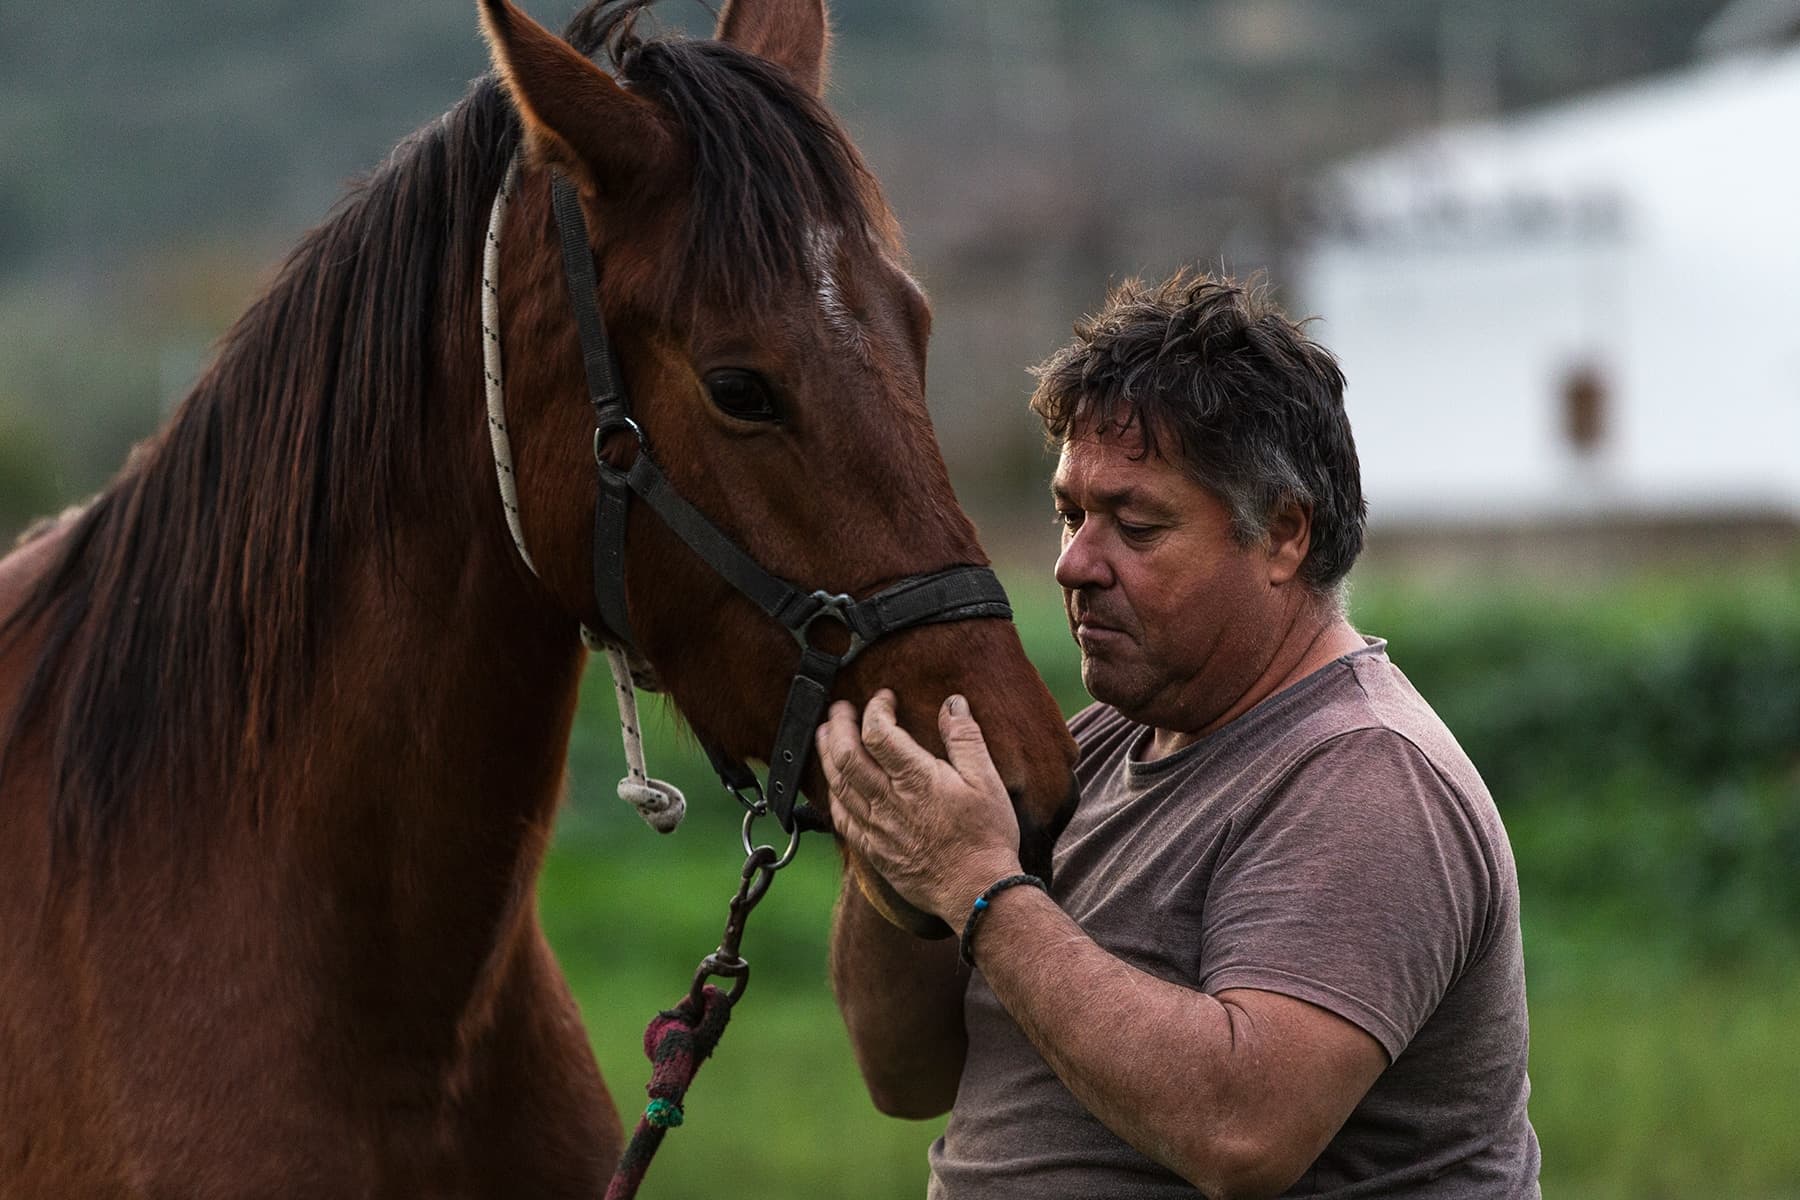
pixel 1312 641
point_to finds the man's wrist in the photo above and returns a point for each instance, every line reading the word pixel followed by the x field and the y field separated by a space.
pixel 971 881
pixel 977 915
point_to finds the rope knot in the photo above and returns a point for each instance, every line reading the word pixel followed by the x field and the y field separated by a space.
pixel 661 804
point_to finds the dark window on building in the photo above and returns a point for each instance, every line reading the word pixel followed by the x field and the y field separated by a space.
pixel 1585 399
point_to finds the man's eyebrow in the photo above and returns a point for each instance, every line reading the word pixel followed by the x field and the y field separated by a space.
pixel 1116 498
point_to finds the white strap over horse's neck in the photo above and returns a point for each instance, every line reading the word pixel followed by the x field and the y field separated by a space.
pixel 661 804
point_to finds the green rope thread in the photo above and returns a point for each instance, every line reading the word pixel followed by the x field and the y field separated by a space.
pixel 664 1114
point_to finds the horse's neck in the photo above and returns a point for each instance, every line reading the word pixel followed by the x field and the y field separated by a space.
pixel 431 754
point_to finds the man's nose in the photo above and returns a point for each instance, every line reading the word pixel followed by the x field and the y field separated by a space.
pixel 1082 563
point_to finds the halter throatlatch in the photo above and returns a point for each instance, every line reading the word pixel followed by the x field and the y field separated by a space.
pixel 957 593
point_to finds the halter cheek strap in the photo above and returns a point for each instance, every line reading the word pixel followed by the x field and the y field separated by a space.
pixel 658 802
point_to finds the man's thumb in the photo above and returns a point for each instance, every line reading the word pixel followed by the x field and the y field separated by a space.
pixel 963 743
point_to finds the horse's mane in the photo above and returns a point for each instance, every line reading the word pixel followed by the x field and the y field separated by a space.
pixel 187 602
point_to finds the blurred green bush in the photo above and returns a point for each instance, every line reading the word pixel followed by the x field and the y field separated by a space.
pixel 1643 743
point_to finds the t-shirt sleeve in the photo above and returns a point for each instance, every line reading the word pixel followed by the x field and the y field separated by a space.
pixel 1361 885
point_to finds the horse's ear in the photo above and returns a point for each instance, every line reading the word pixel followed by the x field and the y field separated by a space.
pixel 575 116
pixel 790 33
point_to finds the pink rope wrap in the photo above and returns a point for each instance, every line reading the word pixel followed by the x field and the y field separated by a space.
pixel 676 1043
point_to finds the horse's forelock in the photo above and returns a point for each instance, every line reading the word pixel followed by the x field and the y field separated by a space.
pixel 770 170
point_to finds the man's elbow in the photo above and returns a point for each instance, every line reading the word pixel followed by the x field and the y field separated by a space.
pixel 1244 1166
pixel 911 1095
pixel 910 1104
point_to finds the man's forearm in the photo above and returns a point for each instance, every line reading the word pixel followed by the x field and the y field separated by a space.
pixel 901 998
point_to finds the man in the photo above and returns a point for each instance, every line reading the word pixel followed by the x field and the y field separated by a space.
pixel 1280 954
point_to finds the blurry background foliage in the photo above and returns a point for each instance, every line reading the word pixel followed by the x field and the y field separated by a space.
pixel 1639 732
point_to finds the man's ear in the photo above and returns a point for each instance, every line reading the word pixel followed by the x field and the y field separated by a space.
pixel 575 116
pixel 790 33
pixel 1289 540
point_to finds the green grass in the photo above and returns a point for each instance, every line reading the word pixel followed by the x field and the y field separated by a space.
pixel 1663 955
pixel 1652 1079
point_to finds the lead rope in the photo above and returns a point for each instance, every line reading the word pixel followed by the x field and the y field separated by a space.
pixel 660 803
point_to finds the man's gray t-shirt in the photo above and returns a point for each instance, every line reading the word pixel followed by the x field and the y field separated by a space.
pixel 1332 844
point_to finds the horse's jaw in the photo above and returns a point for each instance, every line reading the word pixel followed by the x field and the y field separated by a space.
pixel 885 900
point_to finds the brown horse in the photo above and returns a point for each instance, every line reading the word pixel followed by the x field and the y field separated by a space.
pixel 284 715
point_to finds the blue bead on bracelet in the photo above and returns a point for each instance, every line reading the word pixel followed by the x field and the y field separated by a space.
pixel 966 947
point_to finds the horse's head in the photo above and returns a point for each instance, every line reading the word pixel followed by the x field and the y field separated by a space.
pixel 774 352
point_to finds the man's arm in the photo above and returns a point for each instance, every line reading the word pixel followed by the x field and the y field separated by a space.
pixel 901 997
pixel 1237 1093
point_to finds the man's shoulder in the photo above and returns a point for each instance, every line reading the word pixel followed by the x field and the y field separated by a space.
pixel 1386 708
pixel 1363 714
pixel 1374 734
pixel 1363 693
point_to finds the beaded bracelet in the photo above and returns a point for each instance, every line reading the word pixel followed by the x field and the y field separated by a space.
pixel 966 947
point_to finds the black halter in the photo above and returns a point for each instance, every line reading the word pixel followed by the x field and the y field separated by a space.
pixel 954 594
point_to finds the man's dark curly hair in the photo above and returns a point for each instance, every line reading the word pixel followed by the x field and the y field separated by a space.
pixel 1221 384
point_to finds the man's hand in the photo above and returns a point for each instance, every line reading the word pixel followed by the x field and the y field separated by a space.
pixel 939 831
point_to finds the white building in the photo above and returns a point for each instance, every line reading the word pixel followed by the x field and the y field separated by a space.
pixel 1582 316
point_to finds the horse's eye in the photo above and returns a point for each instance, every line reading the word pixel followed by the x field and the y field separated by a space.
pixel 743 394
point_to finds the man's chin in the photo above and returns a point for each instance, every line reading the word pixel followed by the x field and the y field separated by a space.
pixel 1104 683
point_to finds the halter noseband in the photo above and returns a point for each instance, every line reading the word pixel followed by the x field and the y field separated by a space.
pixel 956 593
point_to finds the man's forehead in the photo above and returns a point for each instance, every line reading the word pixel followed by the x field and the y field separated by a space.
pixel 1116 471
pixel 1092 443
pixel 1123 428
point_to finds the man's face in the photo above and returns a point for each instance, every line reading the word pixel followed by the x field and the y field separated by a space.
pixel 1175 620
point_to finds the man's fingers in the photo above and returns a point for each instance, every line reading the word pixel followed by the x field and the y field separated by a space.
pixel 964 745
pixel 837 739
pixel 844 822
pixel 857 780
pixel 892 748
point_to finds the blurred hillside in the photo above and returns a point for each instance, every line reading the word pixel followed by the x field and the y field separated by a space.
pixel 159 157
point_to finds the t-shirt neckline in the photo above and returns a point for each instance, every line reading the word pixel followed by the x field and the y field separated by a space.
pixel 1137 769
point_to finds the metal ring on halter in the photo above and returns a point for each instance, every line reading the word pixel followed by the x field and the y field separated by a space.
pixel 835 605
pixel 787 856
pixel 601 433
